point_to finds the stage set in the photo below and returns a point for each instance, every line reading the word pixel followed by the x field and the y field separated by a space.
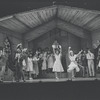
pixel 73 27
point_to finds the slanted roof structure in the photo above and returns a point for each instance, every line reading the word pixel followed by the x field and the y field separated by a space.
pixel 32 24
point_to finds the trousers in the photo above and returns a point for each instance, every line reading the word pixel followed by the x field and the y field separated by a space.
pixel 91 67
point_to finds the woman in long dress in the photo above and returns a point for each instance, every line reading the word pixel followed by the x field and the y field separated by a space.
pixel 57 67
pixel 35 65
pixel 50 61
pixel 44 63
pixel 73 64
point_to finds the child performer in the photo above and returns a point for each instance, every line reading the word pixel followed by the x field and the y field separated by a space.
pixel 73 64
pixel 57 67
pixel 30 66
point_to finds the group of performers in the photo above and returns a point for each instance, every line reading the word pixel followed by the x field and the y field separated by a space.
pixel 45 61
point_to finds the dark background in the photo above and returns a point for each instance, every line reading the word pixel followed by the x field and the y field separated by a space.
pixel 8 7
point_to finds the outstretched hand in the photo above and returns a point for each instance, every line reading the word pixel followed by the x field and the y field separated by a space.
pixel 81 50
pixel 69 47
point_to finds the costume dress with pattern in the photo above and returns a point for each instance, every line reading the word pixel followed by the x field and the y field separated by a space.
pixel 50 61
pixel 57 67
pixel 73 64
pixel 30 65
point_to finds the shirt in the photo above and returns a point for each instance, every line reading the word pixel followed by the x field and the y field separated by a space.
pixel 90 56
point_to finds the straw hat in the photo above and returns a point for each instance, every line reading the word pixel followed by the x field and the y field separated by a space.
pixel 20 44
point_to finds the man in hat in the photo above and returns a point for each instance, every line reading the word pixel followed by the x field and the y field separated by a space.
pixel 18 65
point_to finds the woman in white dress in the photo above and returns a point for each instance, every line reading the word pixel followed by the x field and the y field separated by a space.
pixel 57 67
pixel 30 69
pixel 73 64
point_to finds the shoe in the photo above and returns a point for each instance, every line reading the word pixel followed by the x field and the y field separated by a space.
pixel 1 81
pixel 24 81
pixel 30 78
pixel 57 78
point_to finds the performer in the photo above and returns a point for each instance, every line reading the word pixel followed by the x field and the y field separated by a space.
pixel 50 61
pixel 84 62
pixel 98 59
pixel 3 60
pixel 40 64
pixel 96 53
pixel 57 67
pixel 29 68
pixel 19 65
pixel 73 64
pixel 35 65
pixel 44 63
pixel 90 60
pixel 56 45
pixel 79 62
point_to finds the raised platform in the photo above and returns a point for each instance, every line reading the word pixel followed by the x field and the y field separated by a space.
pixel 53 80
pixel 49 77
pixel 52 75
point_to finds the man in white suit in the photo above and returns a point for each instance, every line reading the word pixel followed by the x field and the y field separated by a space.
pixel 90 60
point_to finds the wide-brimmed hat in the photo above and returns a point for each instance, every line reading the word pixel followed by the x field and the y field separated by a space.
pixel 20 44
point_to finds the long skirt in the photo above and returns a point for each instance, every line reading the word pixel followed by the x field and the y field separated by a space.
pixel 35 67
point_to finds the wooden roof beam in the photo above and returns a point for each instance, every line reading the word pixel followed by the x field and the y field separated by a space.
pixel 40 30
pixel 72 29
pixel 91 20
pixel 21 22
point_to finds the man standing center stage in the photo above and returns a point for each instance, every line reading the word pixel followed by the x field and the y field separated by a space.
pixel 90 60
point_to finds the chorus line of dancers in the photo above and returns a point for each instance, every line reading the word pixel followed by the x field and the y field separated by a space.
pixel 45 61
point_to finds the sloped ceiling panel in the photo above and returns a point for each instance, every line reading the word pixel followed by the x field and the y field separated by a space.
pixel 40 30
pixel 37 17
pixel 56 24
pixel 26 21
pixel 14 25
pixel 95 24
pixel 77 16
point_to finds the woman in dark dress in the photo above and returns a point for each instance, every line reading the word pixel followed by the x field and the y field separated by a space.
pixel 84 62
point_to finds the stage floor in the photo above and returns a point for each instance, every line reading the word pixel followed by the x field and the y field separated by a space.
pixel 54 80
